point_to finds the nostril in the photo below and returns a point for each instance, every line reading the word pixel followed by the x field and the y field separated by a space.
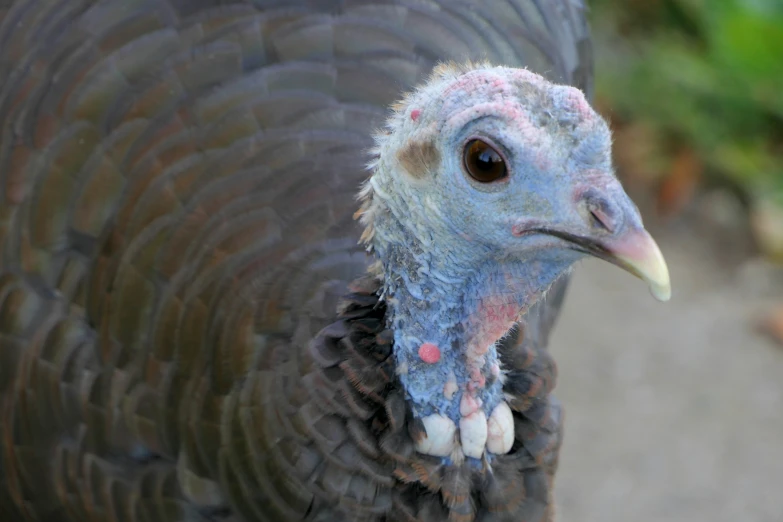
pixel 601 218
pixel 599 210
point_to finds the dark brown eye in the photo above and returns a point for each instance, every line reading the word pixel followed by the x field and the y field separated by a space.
pixel 483 163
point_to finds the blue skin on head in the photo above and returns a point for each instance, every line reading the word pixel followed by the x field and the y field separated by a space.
pixel 461 259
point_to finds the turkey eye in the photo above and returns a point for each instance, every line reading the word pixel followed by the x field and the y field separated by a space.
pixel 483 162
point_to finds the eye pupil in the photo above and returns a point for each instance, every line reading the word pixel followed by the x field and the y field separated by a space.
pixel 483 163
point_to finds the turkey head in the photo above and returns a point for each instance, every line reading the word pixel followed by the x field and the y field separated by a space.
pixel 488 185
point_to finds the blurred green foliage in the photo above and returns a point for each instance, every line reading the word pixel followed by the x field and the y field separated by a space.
pixel 702 74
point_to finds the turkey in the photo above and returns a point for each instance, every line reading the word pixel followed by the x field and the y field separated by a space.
pixel 236 286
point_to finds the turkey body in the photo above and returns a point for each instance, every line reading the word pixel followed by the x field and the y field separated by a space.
pixel 177 185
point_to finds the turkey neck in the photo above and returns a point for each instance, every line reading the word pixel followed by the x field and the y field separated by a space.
pixel 448 308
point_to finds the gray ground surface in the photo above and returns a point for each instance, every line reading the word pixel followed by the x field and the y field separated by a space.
pixel 674 412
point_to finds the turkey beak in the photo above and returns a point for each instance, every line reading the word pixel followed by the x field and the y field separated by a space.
pixel 638 253
pixel 618 236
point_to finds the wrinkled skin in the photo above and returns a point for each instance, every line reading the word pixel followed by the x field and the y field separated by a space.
pixel 462 259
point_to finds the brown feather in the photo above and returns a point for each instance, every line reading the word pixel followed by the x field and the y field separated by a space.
pixel 189 327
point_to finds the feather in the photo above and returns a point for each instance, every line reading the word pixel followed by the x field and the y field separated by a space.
pixel 190 328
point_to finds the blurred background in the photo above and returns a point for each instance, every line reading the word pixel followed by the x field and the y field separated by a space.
pixel 675 411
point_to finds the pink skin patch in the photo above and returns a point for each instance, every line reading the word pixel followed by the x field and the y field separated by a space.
pixel 526 76
pixel 480 82
pixel 524 227
pixel 494 317
pixel 429 353
pixel 577 100
pixel 477 380
pixel 469 405
pixel 511 112
pixel 415 113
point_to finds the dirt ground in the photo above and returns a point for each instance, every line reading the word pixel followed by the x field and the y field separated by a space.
pixel 674 412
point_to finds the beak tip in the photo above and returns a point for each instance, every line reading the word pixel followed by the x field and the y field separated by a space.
pixel 657 273
pixel 661 292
